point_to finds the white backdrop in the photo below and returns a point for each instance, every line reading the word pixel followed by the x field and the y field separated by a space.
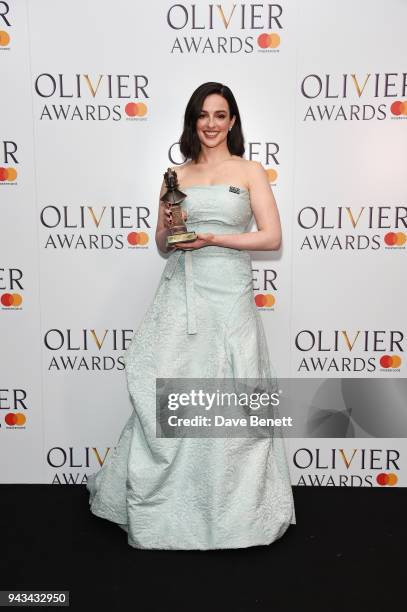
pixel 92 102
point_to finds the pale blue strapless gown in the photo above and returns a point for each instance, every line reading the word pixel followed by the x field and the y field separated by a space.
pixel 197 493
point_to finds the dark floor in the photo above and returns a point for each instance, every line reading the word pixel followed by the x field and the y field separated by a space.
pixel 347 552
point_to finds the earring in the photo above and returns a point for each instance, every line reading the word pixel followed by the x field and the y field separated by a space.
pixel 230 129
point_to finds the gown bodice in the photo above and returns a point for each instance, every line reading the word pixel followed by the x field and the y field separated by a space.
pixel 217 208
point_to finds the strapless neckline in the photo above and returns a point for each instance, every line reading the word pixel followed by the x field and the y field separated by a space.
pixel 228 185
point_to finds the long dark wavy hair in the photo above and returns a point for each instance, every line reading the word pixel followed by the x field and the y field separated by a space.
pixel 190 145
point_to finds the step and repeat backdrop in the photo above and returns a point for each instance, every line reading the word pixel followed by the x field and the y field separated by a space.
pixel 92 103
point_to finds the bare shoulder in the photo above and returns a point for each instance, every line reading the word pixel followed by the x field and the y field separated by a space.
pixel 181 170
pixel 256 174
pixel 244 163
pixel 254 166
pixel 251 169
pixel 180 166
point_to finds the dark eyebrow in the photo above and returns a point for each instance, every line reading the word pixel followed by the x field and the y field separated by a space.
pixel 222 110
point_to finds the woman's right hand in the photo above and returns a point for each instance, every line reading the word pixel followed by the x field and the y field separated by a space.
pixel 168 215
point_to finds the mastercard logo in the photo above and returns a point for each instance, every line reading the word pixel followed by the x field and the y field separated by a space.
pixel 384 479
pixel 15 418
pixel 399 108
pixel 11 300
pixel 395 238
pixel 8 174
pixel 271 175
pixel 390 361
pixel 137 238
pixel 135 109
pixel 4 38
pixel 264 300
pixel 268 41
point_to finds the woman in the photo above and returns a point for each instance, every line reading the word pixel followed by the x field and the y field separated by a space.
pixel 202 493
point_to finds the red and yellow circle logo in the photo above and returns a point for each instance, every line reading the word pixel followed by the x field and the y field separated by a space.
pixel 135 109
pixel 395 238
pixel 8 174
pixel 268 41
pixel 390 361
pixel 15 418
pixel 399 108
pixel 264 300
pixel 137 238
pixel 384 479
pixel 11 300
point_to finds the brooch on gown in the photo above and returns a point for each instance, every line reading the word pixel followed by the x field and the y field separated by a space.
pixel 234 189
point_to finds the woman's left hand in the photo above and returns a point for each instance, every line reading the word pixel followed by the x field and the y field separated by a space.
pixel 200 241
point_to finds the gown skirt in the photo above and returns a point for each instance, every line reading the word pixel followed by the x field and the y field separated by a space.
pixel 197 493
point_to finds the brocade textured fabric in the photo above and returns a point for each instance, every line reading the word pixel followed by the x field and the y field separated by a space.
pixel 197 493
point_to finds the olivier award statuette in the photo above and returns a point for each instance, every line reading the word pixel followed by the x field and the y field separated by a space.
pixel 179 231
